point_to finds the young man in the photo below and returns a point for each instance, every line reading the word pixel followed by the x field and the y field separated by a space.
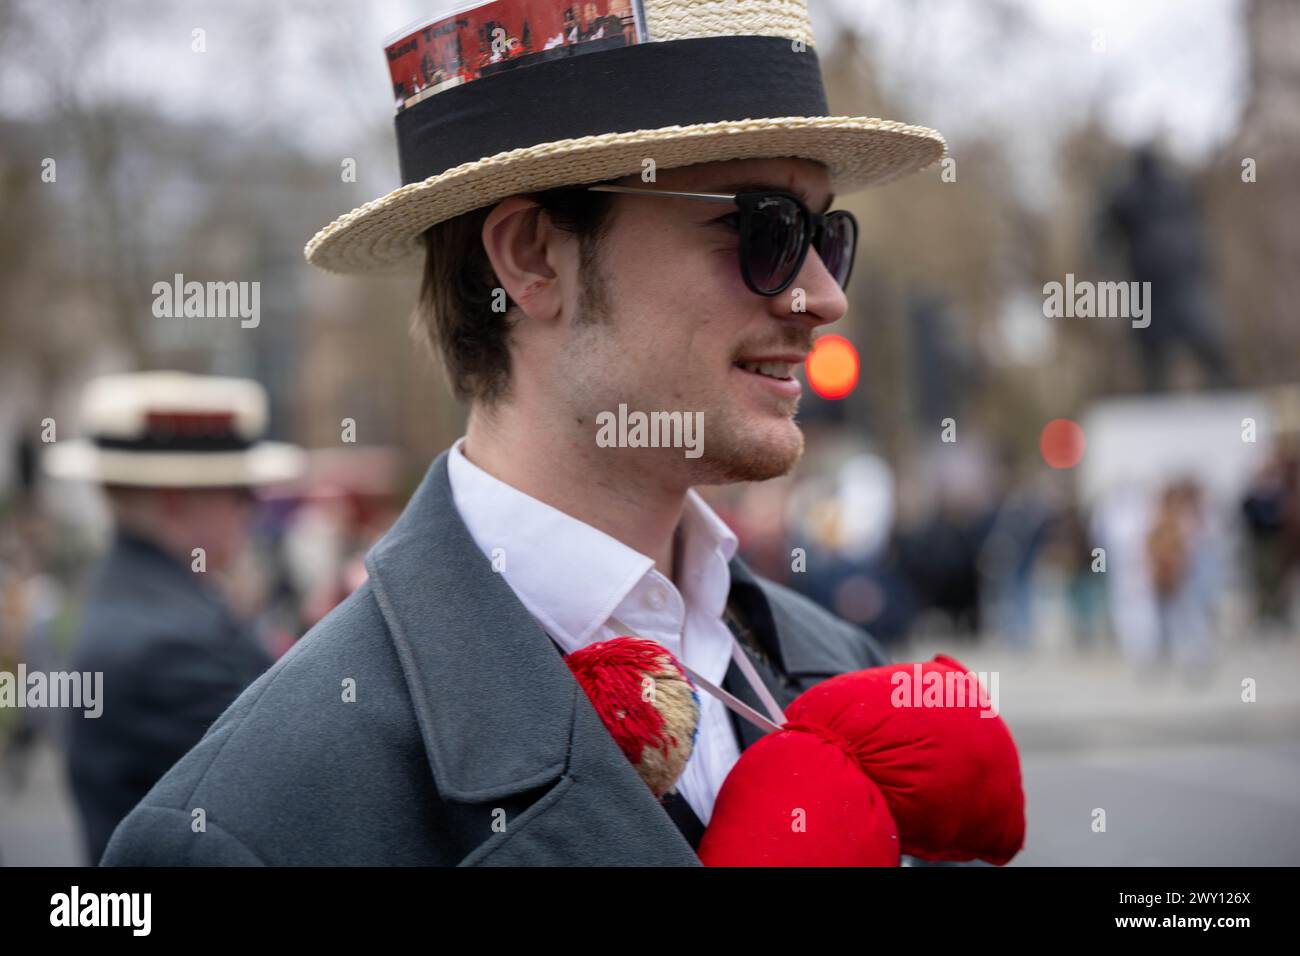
pixel 177 456
pixel 431 719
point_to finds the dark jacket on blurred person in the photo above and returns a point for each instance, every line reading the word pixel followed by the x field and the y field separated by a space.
pixel 430 706
pixel 173 658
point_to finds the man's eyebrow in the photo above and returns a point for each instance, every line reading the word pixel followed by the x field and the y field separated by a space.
pixel 749 185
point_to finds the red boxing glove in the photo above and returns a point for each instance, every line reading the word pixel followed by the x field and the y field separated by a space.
pixel 795 798
pixel 908 758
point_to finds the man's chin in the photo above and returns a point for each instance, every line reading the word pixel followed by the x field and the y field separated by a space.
pixel 756 453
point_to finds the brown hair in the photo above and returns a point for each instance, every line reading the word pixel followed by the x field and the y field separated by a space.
pixel 455 312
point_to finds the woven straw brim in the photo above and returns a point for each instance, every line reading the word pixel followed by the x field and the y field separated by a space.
pixel 265 463
pixel 383 236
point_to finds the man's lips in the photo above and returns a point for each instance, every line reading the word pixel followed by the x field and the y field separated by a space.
pixel 776 372
pixel 795 358
pixel 779 366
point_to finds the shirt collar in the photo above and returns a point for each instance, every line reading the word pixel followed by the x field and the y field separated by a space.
pixel 569 575
pixel 707 550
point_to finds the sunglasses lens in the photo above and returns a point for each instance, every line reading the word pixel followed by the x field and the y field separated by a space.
pixel 775 242
pixel 836 245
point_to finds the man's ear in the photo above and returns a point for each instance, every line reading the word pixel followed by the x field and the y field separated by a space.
pixel 521 244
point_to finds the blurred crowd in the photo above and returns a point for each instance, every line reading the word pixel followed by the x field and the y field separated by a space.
pixel 1162 573
pixel 286 555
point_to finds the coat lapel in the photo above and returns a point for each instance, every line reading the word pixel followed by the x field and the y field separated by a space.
pixel 502 720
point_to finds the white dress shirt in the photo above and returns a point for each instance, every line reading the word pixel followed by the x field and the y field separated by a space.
pixel 573 579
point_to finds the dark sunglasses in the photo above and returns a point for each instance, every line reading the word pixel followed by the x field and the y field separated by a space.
pixel 776 230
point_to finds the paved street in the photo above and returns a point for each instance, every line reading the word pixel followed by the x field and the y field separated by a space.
pixel 1218 805
pixel 38 825
pixel 1187 774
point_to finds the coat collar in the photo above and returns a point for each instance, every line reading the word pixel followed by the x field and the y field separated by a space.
pixel 476 662
pixel 498 710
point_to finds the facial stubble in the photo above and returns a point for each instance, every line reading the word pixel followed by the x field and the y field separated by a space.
pixel 733 452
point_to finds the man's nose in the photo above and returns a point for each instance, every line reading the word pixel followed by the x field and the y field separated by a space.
pixel 814 295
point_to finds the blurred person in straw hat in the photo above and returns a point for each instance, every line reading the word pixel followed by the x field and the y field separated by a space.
pixel 177 457
pixel 645 225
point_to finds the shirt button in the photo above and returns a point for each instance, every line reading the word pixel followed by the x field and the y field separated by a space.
pixel 657 599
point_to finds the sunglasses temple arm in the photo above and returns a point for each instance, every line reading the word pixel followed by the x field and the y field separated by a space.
pixel 633 190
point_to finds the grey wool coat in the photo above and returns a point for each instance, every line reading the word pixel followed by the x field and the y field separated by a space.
pixel 468 741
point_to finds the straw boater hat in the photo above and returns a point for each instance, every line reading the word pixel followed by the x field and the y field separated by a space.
pixel 173 430
pixel 687 81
